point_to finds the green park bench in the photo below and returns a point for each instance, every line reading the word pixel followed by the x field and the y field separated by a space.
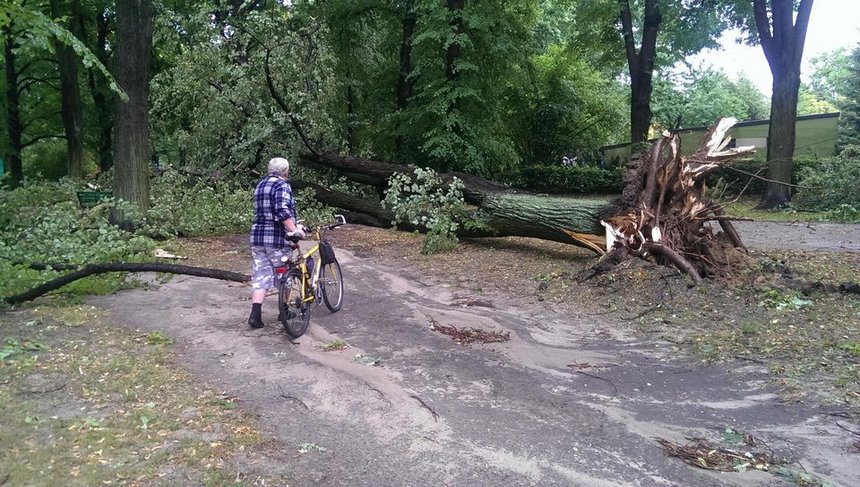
pixel 92 198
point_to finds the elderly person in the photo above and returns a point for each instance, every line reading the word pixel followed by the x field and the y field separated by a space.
pixel 274 216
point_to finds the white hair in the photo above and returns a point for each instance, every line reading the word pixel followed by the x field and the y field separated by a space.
pixel 279 165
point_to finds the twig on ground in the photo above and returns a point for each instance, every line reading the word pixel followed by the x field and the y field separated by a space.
pixel 648 310
pixel 749 359
pixel 421 401
pixel 55 388
pixel 465 336
pixel 615 389
pixel 855 433
pixel 294 399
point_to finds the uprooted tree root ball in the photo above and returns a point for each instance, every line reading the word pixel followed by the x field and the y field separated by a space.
pixel 665 212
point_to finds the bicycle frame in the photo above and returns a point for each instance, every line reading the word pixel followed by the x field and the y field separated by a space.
pixel 302 264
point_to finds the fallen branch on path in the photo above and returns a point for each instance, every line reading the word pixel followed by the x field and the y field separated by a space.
pixel 91 269
pixel 465 336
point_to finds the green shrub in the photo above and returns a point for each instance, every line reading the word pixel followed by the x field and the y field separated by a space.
pixel 421 200
pixel 571 179
pixel 186 207
pixel 42 223
pixel 833 184
pixel 45 160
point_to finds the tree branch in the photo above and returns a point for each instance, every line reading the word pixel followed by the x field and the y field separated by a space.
pixel 39 138
pixel 283 104
pixel 800 28
pixel 627 33
pixel 123 267
pixel 28 81
pixel 762 24
pixel 675 258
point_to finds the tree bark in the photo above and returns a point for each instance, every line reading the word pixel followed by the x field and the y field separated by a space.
pixel 782 38
pixel 14 128
pixel 640 65
pixel 91 269
pixel 70 95
pixel 132 151
pixel 781 139
pixel 101 95
pixel 405 85
pixel 543 217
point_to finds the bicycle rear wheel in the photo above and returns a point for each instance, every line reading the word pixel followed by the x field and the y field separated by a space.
pixel 294 314
pixel 331 282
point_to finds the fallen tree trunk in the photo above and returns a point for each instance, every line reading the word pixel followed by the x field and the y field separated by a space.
pixel 661 215
pixel 567 220
pixel 507 214
pixel 91 269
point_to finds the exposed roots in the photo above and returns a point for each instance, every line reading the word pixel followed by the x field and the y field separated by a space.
pixel 666 216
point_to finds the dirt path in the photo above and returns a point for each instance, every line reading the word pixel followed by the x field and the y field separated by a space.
pixel 570 400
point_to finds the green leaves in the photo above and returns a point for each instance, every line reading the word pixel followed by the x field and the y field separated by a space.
pixel 424 202
pixel 701 96
pixel 12 347
pixel 38 29
pixel 832 185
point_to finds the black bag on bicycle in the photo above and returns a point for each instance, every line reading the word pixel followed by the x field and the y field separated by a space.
pixel 326 252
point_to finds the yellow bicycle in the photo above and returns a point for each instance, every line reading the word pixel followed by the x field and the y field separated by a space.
pixel 307 278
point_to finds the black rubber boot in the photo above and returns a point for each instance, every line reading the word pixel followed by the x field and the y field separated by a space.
pixel 255 320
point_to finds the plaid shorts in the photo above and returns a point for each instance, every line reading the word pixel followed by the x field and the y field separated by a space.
pixel 265 259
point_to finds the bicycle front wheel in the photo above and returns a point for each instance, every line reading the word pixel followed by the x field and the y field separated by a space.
pixel 331 282
pixel 294 313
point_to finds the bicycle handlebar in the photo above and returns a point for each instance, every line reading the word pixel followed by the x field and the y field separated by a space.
pixel 340 221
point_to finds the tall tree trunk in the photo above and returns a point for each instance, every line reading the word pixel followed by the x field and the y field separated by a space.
pixel 405 85
pixel 640 109
pixel 641 65
pixel 782 38
pixel 133 52
pixel 70 96
pixel 101 94
pixel 452 75
pixel 350 113
pixel 14 128
pixel 780 139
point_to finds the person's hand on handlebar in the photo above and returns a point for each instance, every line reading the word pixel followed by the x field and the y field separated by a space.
pixel 300 231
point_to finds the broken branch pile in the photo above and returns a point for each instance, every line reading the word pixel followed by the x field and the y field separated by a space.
pixel 465 336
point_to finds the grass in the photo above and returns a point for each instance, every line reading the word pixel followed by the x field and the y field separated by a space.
pixel 86 403
pixel 745 207
pixel 335 345
pixel 810 345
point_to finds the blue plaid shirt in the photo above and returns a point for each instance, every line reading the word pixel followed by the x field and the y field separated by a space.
pixel 273 203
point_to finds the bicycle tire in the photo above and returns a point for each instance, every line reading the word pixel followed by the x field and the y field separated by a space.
pixel 331 283
pixel 294 314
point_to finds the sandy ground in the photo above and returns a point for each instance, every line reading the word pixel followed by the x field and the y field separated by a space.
pixel 571 399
